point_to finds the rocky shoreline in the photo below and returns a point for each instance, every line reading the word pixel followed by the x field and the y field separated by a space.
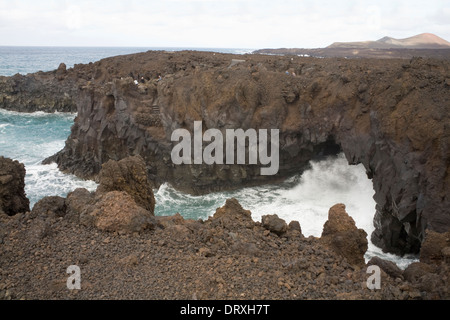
pixel 125 252
pixel 390 115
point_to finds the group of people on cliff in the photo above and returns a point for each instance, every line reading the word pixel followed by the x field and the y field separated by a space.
pixel 141 79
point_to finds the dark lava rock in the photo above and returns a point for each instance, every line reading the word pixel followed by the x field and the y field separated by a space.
pixel 12 187
pixel 52 206
pixel 274 224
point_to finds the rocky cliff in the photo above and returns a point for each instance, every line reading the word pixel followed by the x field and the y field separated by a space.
pixel 41 91
pixel 12 187
pixel 390 115
pixel 123 249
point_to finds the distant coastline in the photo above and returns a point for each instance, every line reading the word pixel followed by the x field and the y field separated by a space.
pixel 30 59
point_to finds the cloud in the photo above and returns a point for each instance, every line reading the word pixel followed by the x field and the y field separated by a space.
pixel 216 23
pixel 74 17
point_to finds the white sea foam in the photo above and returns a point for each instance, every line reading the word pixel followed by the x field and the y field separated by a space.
pixel 47 180
pixel 306 198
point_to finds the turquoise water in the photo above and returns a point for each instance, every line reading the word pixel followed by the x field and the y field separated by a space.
pixel 30 138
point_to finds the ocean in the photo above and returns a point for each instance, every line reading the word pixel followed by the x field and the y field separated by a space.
pixel 30 138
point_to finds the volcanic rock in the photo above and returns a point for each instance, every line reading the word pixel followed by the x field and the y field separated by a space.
pixel 51 206
pixel 117 211
pixel 387 266
pixel 416 270
pixel 228 257
pixel 433 246
pixel 77 203
pixel 295 226
pixel 341 235
pixel 232 214
pixel 12 187
pixel 388 115
pixel 274 224
pixel 129 175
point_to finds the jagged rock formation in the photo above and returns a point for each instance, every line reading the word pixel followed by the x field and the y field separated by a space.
pixel 116 211
pixel 389 115
pixel 123 202
pixel 228 256
pixel 341 235
pixel 12 187
pixel 129 175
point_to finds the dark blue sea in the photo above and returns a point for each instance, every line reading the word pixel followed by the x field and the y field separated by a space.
pixel 30 138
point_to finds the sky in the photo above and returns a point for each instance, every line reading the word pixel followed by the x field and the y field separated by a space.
pixel 252 24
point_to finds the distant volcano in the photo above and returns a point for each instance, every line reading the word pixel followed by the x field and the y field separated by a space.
pixel 420 41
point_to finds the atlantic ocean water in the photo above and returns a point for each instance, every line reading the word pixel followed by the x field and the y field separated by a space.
pixel 30 138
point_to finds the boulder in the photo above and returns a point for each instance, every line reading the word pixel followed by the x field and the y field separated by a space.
pixel 61 72
pixel 116 211
pixel 77 200
pixel 232 215
pixel 12 187
pixel 432 250
pixel 274 224
pixel 416 270
pixel 295 226
pixel 387 266
pixel 129 175
pixel 342 236
pixel 52 206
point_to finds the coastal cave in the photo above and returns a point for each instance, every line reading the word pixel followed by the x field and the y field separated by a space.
pixel 328 148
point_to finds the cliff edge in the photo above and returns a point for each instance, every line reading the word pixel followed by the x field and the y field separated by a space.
pixel 390 115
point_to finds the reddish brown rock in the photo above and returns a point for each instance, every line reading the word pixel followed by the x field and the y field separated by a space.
pixel 117 211
pixel 341 235
pixel 51 206
pixel 434 247
pixel 370 109
pixel 387 266
pixel 232 214
pixel 274 224
pixel 129 175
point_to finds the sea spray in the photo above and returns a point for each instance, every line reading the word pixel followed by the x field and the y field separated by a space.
pixel 306 198
pixel 32 137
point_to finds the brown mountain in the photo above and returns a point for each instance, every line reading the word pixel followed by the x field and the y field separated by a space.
pixel 420 41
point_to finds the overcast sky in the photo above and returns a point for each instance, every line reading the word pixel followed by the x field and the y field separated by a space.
pixel 249 24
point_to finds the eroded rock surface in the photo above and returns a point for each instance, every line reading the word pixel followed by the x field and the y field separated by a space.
pixel 13 199
pixel 129 175
pixel 390 115
pixel 228 256
pixel 341 235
